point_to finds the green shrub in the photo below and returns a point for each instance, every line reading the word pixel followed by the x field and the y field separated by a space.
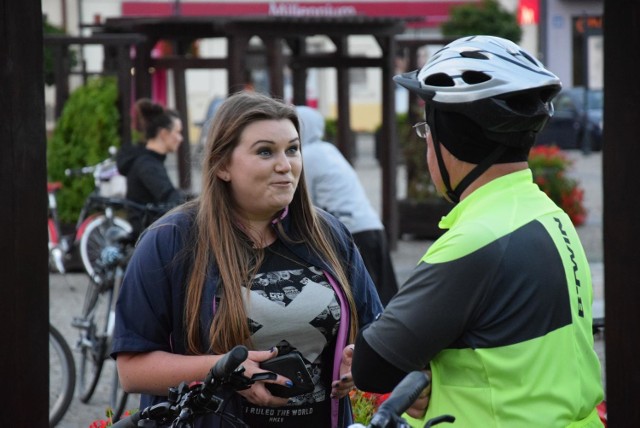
pixel 330 130
pixel 84 132
pixel 487 18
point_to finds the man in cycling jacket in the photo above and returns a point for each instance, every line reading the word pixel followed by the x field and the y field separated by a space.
pixel 499 308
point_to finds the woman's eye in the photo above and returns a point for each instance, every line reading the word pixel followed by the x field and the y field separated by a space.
pixel 264 152
pixel 293 150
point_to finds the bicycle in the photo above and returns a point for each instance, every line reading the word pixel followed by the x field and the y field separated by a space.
pixel 187 403
pixel 109 247
pixel 63 247
pixel 389 414
pixel 62 376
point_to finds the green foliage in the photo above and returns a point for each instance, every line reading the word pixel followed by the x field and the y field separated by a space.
pixel 330 130
pixel 485 18
pixel 414 154
pixel 84 132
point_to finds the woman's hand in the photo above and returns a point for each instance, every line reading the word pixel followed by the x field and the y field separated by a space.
pixel 419 407
pixel 341 387
pixel 258 394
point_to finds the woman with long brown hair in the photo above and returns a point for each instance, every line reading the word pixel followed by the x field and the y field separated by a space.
pixel 252 262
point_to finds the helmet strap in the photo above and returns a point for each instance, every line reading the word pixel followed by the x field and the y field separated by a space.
pixel 479 170
pixel 444 174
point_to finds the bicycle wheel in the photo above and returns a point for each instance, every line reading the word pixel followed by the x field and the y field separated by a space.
pixel 118 398
pixel 62 376
pixel 94 341
pixel 93 240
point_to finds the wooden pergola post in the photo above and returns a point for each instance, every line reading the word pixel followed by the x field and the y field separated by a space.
pixel 24 293
pixel 621 205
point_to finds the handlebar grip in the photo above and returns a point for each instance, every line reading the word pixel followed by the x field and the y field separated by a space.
pixel 228 363
pixel 128 422
pixel 221 370
pixel 402 396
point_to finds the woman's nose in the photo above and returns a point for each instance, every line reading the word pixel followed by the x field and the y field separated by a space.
pixel 282 163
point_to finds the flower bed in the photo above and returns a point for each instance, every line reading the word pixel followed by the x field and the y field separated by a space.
pixel 365 404
pixel 549 165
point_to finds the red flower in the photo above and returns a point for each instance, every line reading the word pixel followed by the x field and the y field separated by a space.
pixel 548 165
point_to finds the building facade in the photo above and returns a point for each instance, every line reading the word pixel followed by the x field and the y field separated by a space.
pixel 552 29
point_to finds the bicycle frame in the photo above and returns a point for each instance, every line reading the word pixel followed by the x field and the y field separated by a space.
pixel 61 245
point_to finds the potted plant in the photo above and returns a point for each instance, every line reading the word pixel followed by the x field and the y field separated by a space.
pixel 422 208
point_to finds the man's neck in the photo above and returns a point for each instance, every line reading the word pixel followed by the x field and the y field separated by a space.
pixel 494 171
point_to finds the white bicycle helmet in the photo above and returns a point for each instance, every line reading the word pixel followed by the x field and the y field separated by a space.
pixel 492 81
pixel 486 99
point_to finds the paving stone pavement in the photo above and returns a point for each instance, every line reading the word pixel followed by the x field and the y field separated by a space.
pixel 67 291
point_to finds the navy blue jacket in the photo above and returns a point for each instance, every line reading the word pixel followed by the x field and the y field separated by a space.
pixel 150 307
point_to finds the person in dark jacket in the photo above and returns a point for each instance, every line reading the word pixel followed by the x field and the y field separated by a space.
pixel 143 165
pixel 250 261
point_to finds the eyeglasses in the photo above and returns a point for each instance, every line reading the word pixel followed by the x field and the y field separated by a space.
pixel 422 129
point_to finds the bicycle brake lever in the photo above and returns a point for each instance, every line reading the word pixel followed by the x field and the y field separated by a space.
pixel 238 381
pixel 264 376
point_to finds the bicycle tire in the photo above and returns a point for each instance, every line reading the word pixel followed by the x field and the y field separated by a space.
pixel 118 398
pixel 94 339
pixel 93 240
pixel 62 376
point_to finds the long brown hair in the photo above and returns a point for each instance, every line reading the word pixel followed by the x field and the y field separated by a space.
pixel 220 240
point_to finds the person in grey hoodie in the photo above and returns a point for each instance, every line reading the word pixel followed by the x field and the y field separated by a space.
pixel 335 187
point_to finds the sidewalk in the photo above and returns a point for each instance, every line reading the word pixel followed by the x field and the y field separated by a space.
pixel 67 291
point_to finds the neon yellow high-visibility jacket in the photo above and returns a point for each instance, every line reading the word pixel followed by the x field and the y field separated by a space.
pixel 500 309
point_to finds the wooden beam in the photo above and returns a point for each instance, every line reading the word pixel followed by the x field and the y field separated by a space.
pixel 236 72
pixel 61 73
pixel 179 61
pixel 142 66
pixel 275 65
pixel 344 134
pixel 389 147
pixel 24 294
pixel 621 205
pixel 298 46
pixel 337 61
pixel 184 150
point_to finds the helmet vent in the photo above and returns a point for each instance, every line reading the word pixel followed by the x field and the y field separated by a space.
pixel 473 54
pixel 528 57
pixel 474 77
pixel 439 79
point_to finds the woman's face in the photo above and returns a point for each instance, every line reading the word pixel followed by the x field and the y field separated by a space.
pixel 173 137
pixel 264 168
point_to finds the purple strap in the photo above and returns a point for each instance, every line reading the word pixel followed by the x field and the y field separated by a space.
pixel 341 342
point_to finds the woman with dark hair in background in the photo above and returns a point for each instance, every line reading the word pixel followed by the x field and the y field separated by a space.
pixel 143 165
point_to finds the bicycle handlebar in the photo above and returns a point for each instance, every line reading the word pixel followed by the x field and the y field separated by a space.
pixel 402 396
pixel 219 372
pixel 219 375
pixel 74 172
pixel 103 201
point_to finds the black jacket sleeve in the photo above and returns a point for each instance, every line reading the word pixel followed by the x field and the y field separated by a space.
pixel 366 361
